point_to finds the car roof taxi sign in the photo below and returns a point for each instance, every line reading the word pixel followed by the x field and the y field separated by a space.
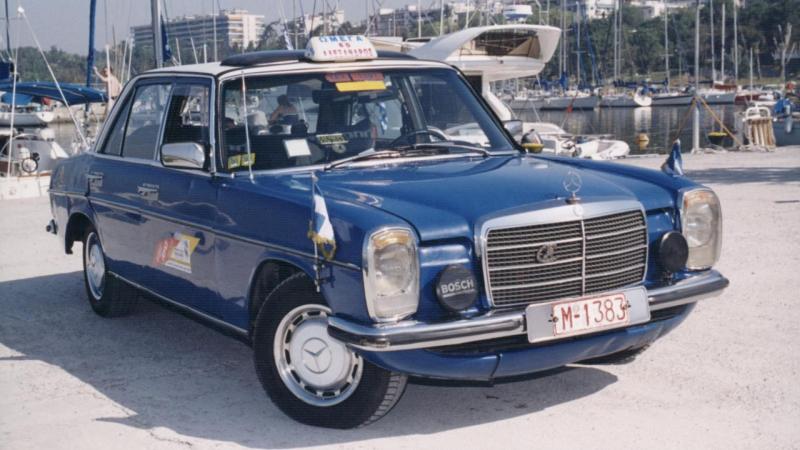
pixel 340 48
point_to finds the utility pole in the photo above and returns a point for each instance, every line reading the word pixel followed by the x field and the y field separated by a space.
pixel 441 17
pixel 419 20
pixel 155 18
pixel 214 28
pixel 696 121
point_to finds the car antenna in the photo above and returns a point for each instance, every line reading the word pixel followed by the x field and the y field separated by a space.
pixel 246 129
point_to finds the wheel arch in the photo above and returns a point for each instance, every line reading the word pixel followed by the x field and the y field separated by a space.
pixel 269 273
pixel 76 228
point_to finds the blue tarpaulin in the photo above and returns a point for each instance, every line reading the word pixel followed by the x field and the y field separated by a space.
pixel 22 99
pixel 75 94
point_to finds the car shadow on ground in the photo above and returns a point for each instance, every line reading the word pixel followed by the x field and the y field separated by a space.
pixel 168 371
pixel 738 175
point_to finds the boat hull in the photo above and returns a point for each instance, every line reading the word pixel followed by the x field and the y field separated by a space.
pixel 625 101
pixel 561 103
pixel 719 98
pixel 23 120
pixel 673 100
pixel 786 133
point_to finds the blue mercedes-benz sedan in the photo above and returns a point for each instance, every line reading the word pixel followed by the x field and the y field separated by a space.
pixel 328 208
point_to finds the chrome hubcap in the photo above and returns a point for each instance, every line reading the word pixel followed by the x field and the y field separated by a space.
pixel 95 266
pixel 316 368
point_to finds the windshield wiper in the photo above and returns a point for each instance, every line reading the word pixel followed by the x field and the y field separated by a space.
pixel 362 157
pixel 446 146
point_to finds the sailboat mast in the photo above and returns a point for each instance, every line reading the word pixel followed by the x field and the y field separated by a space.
pixel 90 54
pixel 578 42
pixel 616 42
pixel 8 33
pixel 561 57
pixel 722 56
pixel 155 18
pixel 735 44
pixel 666 42
pixel 713 46
pixel 696 121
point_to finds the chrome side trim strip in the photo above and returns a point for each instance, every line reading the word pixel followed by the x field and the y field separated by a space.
pixel 217 232
pixel 188 309
pixel 414 335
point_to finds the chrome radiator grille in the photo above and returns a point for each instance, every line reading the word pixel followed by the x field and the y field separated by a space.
pixel 535 263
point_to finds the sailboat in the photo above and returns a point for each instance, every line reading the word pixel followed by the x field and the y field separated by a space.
pixel 625 99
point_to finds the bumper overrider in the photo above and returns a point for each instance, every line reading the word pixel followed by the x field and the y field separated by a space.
pixel 413 335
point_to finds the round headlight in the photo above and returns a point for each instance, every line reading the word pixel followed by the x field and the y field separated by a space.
pixel 392 264
pixel 391 274
pixel 701 225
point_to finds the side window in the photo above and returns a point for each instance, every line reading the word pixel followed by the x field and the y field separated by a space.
pixel 188 115
pixel 113 143
pixel 144 121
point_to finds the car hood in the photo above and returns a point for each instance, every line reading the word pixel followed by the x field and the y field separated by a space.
pixel 445 199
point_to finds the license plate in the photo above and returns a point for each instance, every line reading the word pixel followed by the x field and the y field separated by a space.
pixel 560 319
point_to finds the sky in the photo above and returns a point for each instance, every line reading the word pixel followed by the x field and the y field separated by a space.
pixel 65 23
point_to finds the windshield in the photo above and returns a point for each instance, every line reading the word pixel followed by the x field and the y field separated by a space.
pixel 307 119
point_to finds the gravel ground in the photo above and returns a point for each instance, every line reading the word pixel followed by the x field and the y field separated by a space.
pixel 727 378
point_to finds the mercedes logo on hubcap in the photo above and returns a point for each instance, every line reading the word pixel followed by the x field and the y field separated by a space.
pixel 316 355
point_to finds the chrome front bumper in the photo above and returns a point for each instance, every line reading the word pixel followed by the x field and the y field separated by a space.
pixel 410 335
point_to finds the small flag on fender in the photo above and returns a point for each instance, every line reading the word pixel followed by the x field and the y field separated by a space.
pixel 674 164
pixel 320 229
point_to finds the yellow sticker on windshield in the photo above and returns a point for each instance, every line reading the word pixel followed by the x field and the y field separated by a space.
pixel 357 81
pixel 359 86
pixel 241 161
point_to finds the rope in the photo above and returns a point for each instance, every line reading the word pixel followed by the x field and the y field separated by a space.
pixel 55 80
pixel 685 119
pixel 719 121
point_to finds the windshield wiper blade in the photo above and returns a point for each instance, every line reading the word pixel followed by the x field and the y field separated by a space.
pixel 362 157
pixel 446 146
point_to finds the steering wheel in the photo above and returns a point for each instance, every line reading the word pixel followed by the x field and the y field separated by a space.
pixel 426 132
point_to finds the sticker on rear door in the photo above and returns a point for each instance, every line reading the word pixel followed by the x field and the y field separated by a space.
pixel 176 252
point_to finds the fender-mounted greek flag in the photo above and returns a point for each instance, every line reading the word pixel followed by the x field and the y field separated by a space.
pixel 674 163
pixel 320 229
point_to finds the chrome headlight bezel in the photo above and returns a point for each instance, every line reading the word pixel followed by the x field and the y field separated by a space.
pixel 376 298
pixel 704 251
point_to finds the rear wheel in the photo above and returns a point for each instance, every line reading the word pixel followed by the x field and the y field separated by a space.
pixel 108 296
pixel 310 376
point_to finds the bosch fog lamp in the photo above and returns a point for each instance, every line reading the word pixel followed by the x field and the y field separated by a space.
pixel 391 274
pixel 701 223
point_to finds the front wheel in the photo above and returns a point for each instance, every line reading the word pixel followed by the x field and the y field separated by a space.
pixel 310 376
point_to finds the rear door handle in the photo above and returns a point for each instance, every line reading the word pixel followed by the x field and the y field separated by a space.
pixel 148 191
pixel 95 179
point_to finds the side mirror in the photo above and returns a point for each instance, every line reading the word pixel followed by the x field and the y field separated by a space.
pixel 183 155
pixel 514 127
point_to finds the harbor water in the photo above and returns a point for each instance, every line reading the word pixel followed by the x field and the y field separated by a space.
pixel 660 124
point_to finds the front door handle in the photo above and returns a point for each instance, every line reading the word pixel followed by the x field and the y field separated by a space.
pixel 148 191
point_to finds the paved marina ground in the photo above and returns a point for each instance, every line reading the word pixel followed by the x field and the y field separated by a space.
pixel 727 378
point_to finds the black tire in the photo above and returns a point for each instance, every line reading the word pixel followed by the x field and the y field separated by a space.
pixel 372 397
pixel 623 357
pixel 114 298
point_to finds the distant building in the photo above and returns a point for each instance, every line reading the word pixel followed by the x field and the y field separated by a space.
pixel 655 8
pixel 598 9
pixel 306 24
pixel 234 28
